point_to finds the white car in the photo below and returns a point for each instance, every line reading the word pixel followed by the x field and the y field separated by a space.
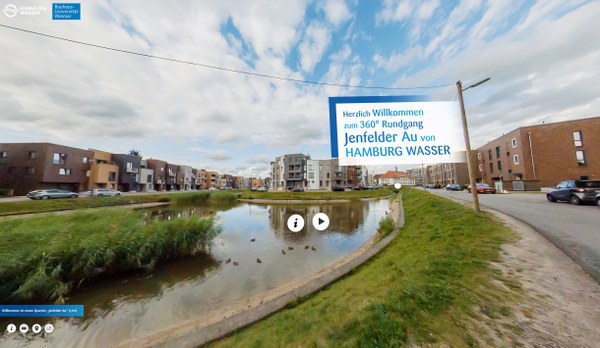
pixel 100 192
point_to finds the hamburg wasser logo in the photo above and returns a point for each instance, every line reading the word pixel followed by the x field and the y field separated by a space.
pixel 10 10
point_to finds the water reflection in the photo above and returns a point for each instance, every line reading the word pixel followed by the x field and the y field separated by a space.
pixel 135 306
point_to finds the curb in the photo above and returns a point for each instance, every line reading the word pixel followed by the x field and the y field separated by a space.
pixel 199 332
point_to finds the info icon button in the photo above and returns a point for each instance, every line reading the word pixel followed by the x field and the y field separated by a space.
pixel 295 223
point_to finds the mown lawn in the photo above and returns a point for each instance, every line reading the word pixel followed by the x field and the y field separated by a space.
pixel 38 206
pixel 325 195
pixel 424 288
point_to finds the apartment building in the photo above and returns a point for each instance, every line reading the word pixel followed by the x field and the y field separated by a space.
pixel 184 177
pixel 129 167
pixel 25 167
pixel 145 178
pixel 448 173
pixel 288 171
pixel 160 173
pixel 419 175
pixel 532 157
pixel 104 173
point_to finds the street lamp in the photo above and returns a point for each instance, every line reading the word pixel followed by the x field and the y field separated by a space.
pixel 470 165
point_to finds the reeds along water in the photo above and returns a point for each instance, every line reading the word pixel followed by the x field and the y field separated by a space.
pixel 60 253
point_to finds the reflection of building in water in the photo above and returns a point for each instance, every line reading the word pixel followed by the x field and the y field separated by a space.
pixel 344 218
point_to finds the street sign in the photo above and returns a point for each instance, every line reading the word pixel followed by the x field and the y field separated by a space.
pixel 389 130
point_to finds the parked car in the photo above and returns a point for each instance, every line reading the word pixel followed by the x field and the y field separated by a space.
pixel 297 189
pixel 575 191
pixel 52 193
pixel 262 189
pixel 482 188
pixel 597 199
pixel 337 188
pixel 358 188
pixel 453 187
pixel 101 192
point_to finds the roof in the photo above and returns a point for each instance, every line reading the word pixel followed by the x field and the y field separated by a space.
pixel 390 174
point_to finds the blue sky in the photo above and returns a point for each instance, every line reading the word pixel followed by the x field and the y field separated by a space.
pixel 543 57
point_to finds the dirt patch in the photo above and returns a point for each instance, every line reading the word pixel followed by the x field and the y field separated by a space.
pixel 560 304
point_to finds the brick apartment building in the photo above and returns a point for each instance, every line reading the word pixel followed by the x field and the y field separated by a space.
pixel 532 157
pixel 26 167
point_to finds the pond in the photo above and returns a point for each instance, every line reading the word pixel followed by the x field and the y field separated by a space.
pixel 254 253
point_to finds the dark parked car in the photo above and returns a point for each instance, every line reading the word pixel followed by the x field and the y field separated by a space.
pixel 296 189
pixel 482 188
pixel 575 191
pixel 338 188
pixel 52 193
pixel 597 199
pixel 453 187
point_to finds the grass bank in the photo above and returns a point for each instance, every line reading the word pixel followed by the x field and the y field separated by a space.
pixel 30 206
pixel 426 287
pixel 43 258
pixel 326 195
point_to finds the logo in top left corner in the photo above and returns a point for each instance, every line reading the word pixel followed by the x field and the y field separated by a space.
pixel 10 10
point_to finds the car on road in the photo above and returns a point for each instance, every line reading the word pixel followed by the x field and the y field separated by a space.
pixel 482 188
pixel 574 191
pixel 454 187
pixel 51 193
pixel 101 192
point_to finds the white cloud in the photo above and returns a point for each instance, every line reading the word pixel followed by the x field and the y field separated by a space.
pixel 336 12
pixel 313 45
pixel 394 11
pixel 427 8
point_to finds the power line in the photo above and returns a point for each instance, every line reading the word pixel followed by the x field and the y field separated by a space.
pixel 214 67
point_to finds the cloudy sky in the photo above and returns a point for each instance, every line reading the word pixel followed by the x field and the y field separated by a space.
pixel 543 58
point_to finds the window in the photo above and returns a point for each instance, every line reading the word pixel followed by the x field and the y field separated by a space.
pixel 580 158
pixel 149 178
pixel 513 142
pixel 497 152
pixel 30 170
pixel 3 154
pixel 577 138
pixel 490 155
pixel 85 160
pixel 64 171
pixel 481 168
pixel 516 159
pixel 59 158
pixel 112 176
pixel 129 166
pixel 479 155
pixel 32 155
pixel 491 168
pixel 499 166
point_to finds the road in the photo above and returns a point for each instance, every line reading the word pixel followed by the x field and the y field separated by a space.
pixel 573 229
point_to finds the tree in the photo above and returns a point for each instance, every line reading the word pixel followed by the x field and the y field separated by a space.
pixel 135 152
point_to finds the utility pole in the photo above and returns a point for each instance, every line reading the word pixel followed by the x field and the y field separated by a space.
pixel 470 164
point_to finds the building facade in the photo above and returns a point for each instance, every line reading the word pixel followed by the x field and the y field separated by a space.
pixel 532 157
pixel 25 167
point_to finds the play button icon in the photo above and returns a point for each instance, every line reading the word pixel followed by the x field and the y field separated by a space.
pixel 320 221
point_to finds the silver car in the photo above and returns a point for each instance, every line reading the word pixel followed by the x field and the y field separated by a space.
pixel 100 192
pixel 52 193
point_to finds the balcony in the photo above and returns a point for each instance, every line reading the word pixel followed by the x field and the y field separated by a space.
pixel 132 170
pixel 159 181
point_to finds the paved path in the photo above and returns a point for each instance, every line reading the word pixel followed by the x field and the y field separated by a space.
pixel 573 229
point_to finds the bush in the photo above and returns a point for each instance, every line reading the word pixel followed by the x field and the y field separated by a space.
pixel 6 192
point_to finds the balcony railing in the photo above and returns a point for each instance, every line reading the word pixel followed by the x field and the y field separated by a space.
pixel 132 170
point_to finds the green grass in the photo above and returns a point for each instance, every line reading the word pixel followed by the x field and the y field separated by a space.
pixel 43 258
pixel 328 195
pixel 38 206
pixel 425 288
